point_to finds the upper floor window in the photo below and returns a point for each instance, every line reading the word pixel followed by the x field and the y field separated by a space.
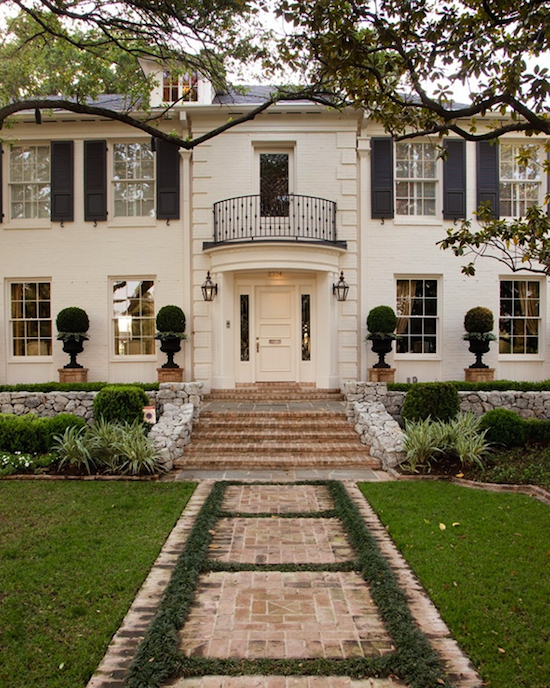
pixel 183 87
pixel 133 180
pixel 519 178
pixel 30 187
pixel 519 322
pixel 134 317
pixel 274 184
pixel 31 323
pixel 415 178
pixel 417 320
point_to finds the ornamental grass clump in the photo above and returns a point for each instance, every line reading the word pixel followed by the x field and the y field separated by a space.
pixel 427 442
pixel 108 447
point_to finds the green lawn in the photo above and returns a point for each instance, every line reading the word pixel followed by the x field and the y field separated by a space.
pixel 72 557
pixel 484 559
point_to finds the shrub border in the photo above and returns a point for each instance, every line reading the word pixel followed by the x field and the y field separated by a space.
pixel 157 658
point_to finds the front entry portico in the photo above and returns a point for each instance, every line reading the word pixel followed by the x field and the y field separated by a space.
pixel 274 319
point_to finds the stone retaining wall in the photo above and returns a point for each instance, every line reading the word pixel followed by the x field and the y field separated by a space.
pixel 47 404
pixel 172 433
pixel 525 404
pixel 377 413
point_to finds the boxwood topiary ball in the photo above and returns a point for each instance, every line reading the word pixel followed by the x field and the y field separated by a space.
pixel 170 319
pixel 72 319
pixel 478 319
pixel 381 320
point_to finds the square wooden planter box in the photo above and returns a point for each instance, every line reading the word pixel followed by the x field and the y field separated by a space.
pixel 73 375
pixel 479 374
pixel 170 374
pixel 381 374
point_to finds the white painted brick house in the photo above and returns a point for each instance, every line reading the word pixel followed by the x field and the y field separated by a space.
pixel 274 209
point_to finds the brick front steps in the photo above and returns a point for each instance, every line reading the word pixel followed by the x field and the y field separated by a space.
pixel 271 438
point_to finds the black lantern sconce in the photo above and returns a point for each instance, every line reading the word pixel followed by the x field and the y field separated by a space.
pixel 209 289
pixel 341 288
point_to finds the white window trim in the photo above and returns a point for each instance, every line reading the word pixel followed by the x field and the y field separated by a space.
pixel 126 358
pixel 24 222
pixel 540 181
pixel 436 218
pixel 133 221
pixel 513 357
pixel 438 355
pixel 12 358
pixel 276 147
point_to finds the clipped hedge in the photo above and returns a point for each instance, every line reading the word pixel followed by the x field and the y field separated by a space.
pixel 29 434
pixel 438 400
pixel 494 386
pixel 122 403
pixel 74 386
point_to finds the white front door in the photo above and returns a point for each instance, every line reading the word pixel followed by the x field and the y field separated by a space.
pixel 275 336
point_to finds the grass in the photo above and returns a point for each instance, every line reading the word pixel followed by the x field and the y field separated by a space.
pixel 72 557
pixel 488 571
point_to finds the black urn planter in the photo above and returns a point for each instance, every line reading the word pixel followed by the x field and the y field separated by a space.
pixel 381 346
pixel 73 347
pixel 170 345
pixel 479 347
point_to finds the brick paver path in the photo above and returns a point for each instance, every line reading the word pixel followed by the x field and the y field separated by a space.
pixel 286 614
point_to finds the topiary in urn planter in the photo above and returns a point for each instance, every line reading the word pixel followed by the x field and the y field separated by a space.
pixel 478 323
pixel 72 324
pixel 381 324
pixel 170 331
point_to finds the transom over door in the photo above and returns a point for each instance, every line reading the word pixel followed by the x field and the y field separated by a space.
pixel 275 338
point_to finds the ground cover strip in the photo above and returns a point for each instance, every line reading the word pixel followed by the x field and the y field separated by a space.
pixel 158 657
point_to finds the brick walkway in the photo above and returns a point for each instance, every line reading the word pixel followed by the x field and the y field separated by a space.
pixel 278 614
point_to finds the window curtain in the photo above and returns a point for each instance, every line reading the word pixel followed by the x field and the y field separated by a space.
pixel 529 309
pixel 406 290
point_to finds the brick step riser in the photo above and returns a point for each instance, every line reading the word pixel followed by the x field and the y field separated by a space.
pixel 273 417
pixel 260 448
pixel 220 462
pixel 258 438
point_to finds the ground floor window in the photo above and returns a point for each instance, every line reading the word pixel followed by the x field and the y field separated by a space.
pixel 417 318
pixel 306 327
pixel 519 322
pixel 134 317
pixel 245 327
pixel 31 322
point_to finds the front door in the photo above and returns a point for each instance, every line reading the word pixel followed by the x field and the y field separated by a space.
pixel 275 345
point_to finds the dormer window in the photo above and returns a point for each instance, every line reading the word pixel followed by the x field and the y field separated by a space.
pixel 179 88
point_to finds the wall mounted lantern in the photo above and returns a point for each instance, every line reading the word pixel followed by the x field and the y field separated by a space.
pixel 341 288
pixel 209 289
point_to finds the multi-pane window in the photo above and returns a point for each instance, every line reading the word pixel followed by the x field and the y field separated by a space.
pixel 134 317
pixel 31 323
pixel 519 178
pixel 519 322
pixel 171 84
pixel 274 184
pixel 134 179
pixel 30 181
pixel 415 178
pixel 417 316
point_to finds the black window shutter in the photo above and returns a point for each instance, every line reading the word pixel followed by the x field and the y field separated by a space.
pixel 62 175
pixel 454 180
pixel 488 175
pixel 95 180
pixel 168 181
pixel 382 177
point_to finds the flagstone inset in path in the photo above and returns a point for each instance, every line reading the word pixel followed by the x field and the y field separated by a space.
pixel 280 615
pixel 276 499
pixel 280 541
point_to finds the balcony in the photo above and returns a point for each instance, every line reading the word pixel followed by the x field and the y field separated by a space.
pixel 290 217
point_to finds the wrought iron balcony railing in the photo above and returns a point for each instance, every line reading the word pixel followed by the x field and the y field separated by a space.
pixel 285 218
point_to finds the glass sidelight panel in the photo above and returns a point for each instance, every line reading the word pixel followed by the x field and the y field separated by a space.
pixel 306 327
pixel 245 327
